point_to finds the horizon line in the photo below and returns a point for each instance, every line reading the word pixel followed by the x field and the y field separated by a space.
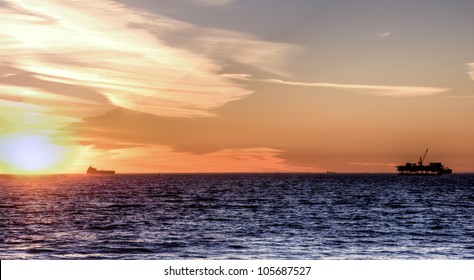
pixel 222 173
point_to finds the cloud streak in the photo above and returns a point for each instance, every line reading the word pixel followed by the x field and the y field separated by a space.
pixel 380 90
pixel 213 2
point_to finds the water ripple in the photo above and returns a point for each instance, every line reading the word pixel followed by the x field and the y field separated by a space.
pixel 240 216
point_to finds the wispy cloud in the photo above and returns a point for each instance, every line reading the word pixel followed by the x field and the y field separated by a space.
pixel 402 91
pixel 212 2
pixel 238 76
pixel 471 70
pixel 384 35
pixel 231 47
pixel 135 59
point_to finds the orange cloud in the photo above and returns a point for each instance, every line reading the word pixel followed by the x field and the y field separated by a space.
pixel 155 159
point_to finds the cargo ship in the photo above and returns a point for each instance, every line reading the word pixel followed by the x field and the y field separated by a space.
pixel 434 168
pixel 92 170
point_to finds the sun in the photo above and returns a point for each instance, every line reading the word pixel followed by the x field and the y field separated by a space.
pixel 30 154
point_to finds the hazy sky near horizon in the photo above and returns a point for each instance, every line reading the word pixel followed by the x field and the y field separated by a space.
pixel 235 85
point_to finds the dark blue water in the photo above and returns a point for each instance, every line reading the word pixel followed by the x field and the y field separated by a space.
pixel 286 216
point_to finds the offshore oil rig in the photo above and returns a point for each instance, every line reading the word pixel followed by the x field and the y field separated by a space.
pixel 434 168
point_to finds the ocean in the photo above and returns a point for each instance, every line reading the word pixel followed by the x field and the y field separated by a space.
pixel 237 216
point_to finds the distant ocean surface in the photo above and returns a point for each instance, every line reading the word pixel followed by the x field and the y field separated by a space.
pixel 237 216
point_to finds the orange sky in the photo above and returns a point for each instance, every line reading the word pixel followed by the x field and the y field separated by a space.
pixel 189 86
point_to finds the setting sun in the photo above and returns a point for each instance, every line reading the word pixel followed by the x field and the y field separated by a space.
pixel 30 154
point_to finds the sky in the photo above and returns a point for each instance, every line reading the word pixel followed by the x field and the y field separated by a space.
pixel 235 85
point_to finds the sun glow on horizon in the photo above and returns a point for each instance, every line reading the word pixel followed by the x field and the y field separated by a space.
pixel 31 154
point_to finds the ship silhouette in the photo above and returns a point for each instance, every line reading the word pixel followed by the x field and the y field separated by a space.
pixel 93 170
pixel 434 168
